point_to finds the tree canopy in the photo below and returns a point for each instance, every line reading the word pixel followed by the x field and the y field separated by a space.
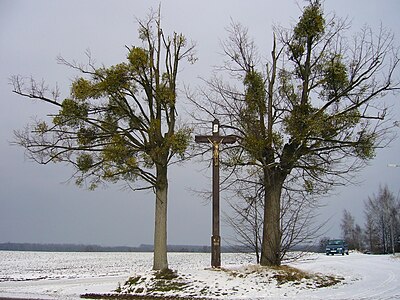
pixel 119 122
pixel 309 119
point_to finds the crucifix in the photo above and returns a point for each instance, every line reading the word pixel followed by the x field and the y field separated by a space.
pixel 215 140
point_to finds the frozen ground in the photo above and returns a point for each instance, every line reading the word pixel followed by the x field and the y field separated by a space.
pixel 67 275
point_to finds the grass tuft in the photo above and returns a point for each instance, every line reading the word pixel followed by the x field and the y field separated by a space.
pixel 166 274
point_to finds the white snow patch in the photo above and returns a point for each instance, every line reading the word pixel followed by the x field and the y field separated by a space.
pixel 68 275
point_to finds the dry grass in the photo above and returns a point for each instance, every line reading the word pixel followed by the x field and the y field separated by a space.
pixel 286 275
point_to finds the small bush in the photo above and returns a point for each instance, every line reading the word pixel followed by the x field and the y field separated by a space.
pixel 119 288
pixel 132 280
pixel 168 286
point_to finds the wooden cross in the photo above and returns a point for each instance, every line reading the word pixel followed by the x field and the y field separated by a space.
pixel 215 139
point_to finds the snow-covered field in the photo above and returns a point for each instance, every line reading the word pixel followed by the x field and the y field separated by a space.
pixel 67 275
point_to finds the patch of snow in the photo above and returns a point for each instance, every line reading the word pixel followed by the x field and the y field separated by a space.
pixel 68 275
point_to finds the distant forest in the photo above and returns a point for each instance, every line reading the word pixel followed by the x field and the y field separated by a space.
pixel 141 248
pixel 97 248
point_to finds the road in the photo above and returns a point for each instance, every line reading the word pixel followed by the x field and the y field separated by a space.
pixel 366 277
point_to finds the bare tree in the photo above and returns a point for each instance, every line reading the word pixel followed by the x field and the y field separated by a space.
pixel 351 231
pixel 371 230
pixel 298 216
pixel 383 226
pixel 246 218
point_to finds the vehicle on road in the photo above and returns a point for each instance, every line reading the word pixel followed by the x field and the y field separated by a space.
pixel 337 247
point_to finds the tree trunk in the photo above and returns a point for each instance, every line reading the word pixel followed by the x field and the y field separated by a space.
pixel 160 261
pixel 256 232
pixel 271 240
pixel 383 236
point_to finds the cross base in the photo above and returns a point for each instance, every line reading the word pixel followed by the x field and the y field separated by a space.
pixel 216 251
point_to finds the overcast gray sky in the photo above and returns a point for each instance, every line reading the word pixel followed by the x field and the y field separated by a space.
pixel 36 205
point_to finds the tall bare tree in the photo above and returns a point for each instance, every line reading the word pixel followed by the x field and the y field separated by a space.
pixel 297 216
pixel 246 218
pixel 383 221
pixel 119 122
pixel 351 231
pixel 313 116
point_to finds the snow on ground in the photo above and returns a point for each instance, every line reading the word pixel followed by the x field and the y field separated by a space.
pixel 67 275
